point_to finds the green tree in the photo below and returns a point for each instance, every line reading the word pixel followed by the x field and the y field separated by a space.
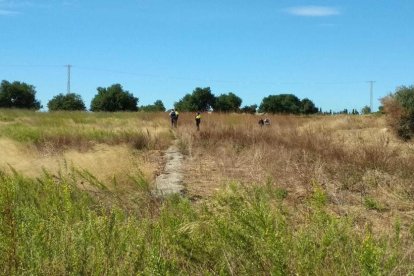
pixel 308 107
pixel 399 106
pixel 227 103
pixel 185 104
pixel 114 98
pixel 158 106
pixel 354 112
pixel 200 100
pixel 404 95
pixel 68 102
pixel 366 110
pixel 18 95
pixel 283 103
pixel 249 109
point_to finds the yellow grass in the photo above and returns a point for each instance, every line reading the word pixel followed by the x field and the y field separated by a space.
pixel 111 146
pixel 104 161
pixel 365 170
pixel 341 185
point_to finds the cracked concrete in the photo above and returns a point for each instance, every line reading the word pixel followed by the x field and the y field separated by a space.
pixel 170 181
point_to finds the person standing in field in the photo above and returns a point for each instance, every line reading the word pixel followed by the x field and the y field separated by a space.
pixel 176 117
pixel 173 117
pixel 198 120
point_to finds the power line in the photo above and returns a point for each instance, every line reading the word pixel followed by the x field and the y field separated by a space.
pixel 206 80
pixel 29 65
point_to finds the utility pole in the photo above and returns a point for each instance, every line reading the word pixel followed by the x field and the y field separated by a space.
pixel 371 91
pixel 69 66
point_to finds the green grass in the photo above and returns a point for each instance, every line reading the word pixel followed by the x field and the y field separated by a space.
pixel 72 223
pixel 48 226
pixel 372 204
pixel 81 130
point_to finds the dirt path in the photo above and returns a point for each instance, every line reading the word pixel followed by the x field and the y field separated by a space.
pixel 170 180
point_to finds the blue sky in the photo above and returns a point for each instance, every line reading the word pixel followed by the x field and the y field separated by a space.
pixel 159 49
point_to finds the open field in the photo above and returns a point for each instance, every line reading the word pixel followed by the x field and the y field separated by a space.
pixel 306 195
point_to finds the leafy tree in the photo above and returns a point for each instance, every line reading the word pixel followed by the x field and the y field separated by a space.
pixel 345 111
pixel 200 100
pixel 185 104
pixel 227 103
pixel 69 101
pixel 283 103
pixel 158 106
pixel 308 107
pixel 399 107
pixel 366 110
pixel 249 109
pixel 114 98
pixel 18 95
pixel 404 95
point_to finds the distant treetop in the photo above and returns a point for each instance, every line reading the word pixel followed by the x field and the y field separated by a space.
pixel 114 98
pixel 18 95
pixel 66 102
pixel 287 104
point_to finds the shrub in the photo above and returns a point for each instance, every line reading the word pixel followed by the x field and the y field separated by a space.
pixel 158 106
pixel 66 102
pixel 114 98
pixel 400 110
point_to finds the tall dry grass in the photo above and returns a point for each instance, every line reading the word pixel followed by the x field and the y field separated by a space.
pixel 307 195
pixel 111 146
pixel 59 131
pixel 365 170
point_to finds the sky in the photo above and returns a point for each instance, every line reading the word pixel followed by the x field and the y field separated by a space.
pixel 326 51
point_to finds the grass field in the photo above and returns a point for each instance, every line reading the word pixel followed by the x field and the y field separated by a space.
pixel 306 195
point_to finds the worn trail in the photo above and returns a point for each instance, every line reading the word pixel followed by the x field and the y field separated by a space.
pixel 170 181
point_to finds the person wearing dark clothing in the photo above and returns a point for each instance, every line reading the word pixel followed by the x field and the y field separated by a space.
pixel 174 118
pixel 261 122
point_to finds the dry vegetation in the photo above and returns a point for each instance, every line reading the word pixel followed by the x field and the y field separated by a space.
pixel 306 195
pixel 110 146
pixel 365 171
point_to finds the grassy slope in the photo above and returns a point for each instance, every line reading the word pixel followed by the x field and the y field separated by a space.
pixel 51 227
pixel 292 223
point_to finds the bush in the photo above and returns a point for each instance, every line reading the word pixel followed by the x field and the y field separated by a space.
pixel 202 99
pixel 400 110
pixel 66 102
pixel 158 106
pixel 287 104
pixel 114 98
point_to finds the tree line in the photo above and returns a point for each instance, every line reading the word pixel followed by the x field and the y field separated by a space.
pixel 399 105
pixel 116 98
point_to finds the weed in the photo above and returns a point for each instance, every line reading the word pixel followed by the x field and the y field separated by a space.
pixel 372 204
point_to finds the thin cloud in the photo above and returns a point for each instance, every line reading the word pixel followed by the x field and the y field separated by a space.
pixel 313 11
pixel 8 8
pixel 8 12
